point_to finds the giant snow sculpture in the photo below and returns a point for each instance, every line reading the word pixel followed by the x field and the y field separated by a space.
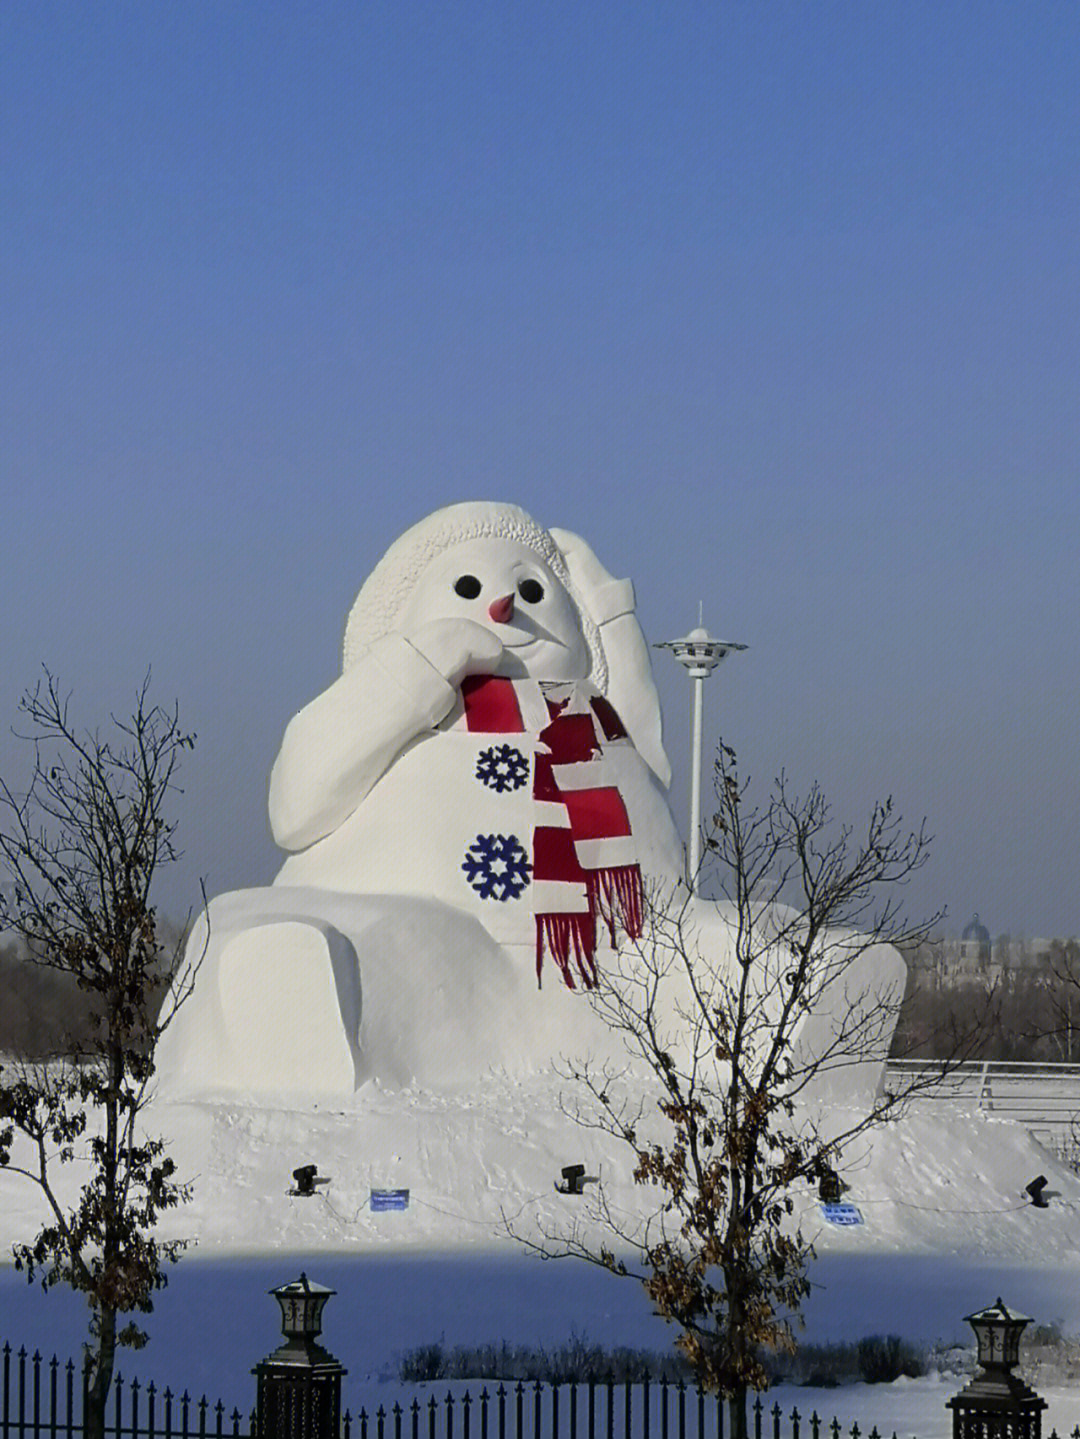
pixel 471 811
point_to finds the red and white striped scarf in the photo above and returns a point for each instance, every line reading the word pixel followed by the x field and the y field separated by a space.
pixel 583 862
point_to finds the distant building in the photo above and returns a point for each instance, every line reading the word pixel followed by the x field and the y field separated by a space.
pixel 974 957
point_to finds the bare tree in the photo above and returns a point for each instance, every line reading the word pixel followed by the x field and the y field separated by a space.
pixel 740 1032
pixel 1063 992
pixel 83 845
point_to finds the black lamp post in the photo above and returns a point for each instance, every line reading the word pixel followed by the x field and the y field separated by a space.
pixel 997 1404
pixel 299 1385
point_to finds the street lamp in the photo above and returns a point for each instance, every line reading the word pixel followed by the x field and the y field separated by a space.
pixel 997 1404
pixel 299 1385
pixel 699 654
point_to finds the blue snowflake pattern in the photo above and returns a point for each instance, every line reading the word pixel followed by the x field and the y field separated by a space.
pixel 497 866
pixel 502 767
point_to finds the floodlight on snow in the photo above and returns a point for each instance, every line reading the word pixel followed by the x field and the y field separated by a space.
pixel 1035 1190
pixel 830 1186
pixel 306 1180
pixel 573 1180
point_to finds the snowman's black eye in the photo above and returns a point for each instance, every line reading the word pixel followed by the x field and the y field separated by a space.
pixel 467 586
pixel 531 591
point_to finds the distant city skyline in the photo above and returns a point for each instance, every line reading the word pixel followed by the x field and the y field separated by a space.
pixel 777 305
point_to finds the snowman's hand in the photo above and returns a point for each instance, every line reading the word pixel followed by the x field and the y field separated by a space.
pixel 605 596
pixel 457 648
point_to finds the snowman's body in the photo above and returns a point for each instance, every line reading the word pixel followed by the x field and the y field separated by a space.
pixel 455 817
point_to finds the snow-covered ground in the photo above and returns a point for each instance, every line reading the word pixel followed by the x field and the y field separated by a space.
pixel 948 1227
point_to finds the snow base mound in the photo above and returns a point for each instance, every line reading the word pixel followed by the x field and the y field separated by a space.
pixel 482 1162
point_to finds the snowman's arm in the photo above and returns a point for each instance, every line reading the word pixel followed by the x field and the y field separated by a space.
pixel 631 688
pixel 337 747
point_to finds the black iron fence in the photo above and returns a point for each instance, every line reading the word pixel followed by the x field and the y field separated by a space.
pixel 43 1399
pixel 630 1410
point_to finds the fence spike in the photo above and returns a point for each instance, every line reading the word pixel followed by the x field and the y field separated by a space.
pixel 54 1369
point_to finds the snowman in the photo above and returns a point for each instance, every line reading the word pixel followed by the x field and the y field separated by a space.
pixel 472 814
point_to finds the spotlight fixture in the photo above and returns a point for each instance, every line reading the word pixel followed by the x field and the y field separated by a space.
pixel 306 1180
pixel 830 1187
pixel 1035 1190
pixel 573 1180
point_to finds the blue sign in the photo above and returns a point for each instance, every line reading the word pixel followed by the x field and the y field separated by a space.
pixel 389 1199
pixel 842 1213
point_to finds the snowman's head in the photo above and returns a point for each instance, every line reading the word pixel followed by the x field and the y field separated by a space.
pixel 508 588
pixel 493 564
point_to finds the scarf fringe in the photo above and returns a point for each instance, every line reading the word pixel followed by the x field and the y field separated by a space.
pixel 564 936
pixel 617 895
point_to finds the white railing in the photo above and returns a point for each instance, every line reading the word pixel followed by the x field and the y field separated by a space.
pixel 1044 1097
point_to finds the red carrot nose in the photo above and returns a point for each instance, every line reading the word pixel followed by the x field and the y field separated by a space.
pixel 501 610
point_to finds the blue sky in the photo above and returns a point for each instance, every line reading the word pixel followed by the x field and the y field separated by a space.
pixel 777 304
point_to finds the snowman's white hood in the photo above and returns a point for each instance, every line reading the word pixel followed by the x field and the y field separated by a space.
pixel 388 587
